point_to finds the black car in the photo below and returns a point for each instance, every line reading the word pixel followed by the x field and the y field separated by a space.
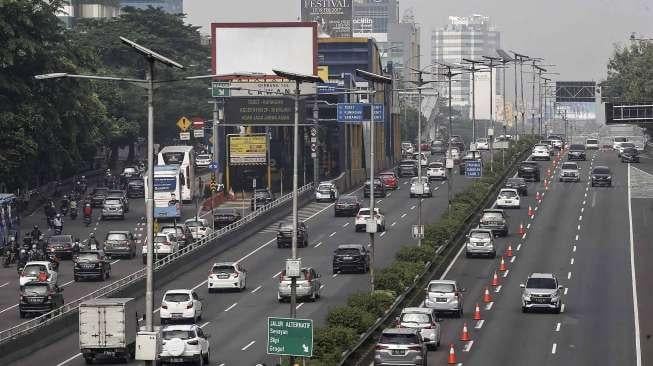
pixel 630 155
pixel 120 194
pixel 284 234
pixel 457 142
pixel 38 298
pixel 262 196
pixel 529 170
pixel 135 188
pixel 519 184
pixel 407 168
pixel 601 176
pixel 380 189
pixel 91 264
pixel 437 147
pixel 225 216
pixel 98 195
pixel 576 152
pixel 60 245
pixel 347 206
pixel 351 257
pixel 495 220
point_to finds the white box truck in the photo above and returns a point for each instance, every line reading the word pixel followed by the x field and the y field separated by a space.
pixel 107 328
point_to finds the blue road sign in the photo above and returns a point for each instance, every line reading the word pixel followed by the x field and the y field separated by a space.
pixel 359 112
pixel 214 166
pixel 473 168
pixel 325 88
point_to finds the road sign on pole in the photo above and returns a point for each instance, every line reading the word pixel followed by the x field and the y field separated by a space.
pixel 418 231
pixel 290 337
pixel 473 168
pixel 214 166
pixel 184 136
pixel 184 123
pixel 220 89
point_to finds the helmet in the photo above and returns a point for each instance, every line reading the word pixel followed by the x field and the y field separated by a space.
pixel 91 235
pixel 58 215
pixel 65 197
pixel 83 177
pixel 36 227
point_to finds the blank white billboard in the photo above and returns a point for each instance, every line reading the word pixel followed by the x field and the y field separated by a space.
pixel 482 95
pixel 262 47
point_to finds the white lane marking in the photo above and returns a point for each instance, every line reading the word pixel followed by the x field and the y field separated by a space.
pixel 412 207
pixel 574 249
pixel 566 290
pixel 582 209
pixel 69 359
pixel 248 345
pixel 536 207
pixel 299 305
pixel 231 307
pixel 332 234
pixel 334 275
pixel 4 284
pixel 403 215
pixel 255 250
pixel 114 262
pixel 489 305
pixel 576 237
pixel 569 275
pixel 318 244
pixel 512 260
pixel 383 233
pixel 523 236
pixel 276 274
pixel 638 349
pixel 562 308
pixel 558 327
pixel 468 346
pixel 585 195
pixel 322 286
pixel 405 182
pixel 446 271
pixel 578 227
pixel 587 188
pixel 583 205
pixel 205 324
pixel 580 218
pixel 256 289
pixel 519 247
pixel 571 261
pixel 393 224
pixel 505 274
pixel 379 201
pixel 528 226
pixel 498 289
pixel 553 349
pixel 479 324
pixel 345 225
pixel 421 200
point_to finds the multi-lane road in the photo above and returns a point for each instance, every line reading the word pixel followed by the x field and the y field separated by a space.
pixel 237 321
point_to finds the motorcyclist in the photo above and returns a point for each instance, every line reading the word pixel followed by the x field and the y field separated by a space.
pixel 64 205
pixel 50 212
pixel 93 243
pixel 36 233
pixel 87 210
pixel 73 209
pixel 58 224
pixel 108 178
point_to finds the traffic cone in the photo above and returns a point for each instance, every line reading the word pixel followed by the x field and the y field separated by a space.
pixel 548 172
pixel 538 198
pixel 495 279
pixel 530 211
pixel 486 296
pixel 477 313
pixel 509 251
pixel 502 265
pixel 464 336
pixel 451 360
pixel 521 229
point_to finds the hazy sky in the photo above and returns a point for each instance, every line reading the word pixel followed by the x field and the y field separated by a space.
pixel 576 35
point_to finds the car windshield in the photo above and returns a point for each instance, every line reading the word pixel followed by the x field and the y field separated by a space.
pixel 263 193
pixel 225 212
pixel 36 290
pixel 160 239
pixel 620 139
pixel 112 202
pixel 592 142
pixel 347 251
pixel 398 338
pixel 577 147
pixel 480 235
pixel 181 334
pixel 441 287
pixel 491 216
pixel 135 183
pixel 627 144
pixel 601 171
pixel 116 236
pixel 324 187
pixel 176 297
pixel 129 170
pixel 569 166
pixel 34 269
pixel 347 199
pixel 407 163
pixel 630 150
pixel 87 257
pixel 386 175
pixel 171 230
pixel 203 156
pixel 535 282
pixel 435 165
pixel 516 181
pixel 223 269
pixel 508 194
pixel 194 223
pixel 414 180
pixel 415 318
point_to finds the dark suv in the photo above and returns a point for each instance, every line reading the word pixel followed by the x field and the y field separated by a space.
pixel 120 243
pixel 135 188
pixel 379 188
pixel 529 170
pixel 262 196
pixel 519 184
pixel 351 257
pixel 98 195
pixel 38 298
pixel 601 176
pixel 61 245
pixel 120 194
pixel 91 264
pixel 225 216
pixel 576 152
pixel 347 205
pixel 407 168
pixel 284 234
pixel 495 220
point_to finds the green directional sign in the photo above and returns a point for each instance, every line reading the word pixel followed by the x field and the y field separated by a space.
pixel 290 337
pixel 220 89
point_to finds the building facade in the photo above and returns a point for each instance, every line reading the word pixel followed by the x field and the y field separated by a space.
pixel 465 37
pixel 168 6
pixel 77 9
pixel 372 18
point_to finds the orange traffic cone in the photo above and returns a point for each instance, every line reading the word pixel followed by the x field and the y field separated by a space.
pixel 530 211
pixel 477 313
pixel 521 229
pixel 486 296
pixel 451 360
pixel 464 336
pixel 509 251
pixel 538 198
pixel 502 265
pixel 495 279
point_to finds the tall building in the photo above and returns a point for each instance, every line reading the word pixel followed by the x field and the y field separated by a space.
pixel 466 37
pixel 372 18
pixel 76 9
pixel 168 6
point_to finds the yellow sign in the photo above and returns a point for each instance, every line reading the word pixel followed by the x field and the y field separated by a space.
pixel 248 149
pixel 323 73
pixel 184 123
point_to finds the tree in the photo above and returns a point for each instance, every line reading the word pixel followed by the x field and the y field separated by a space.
pixel 630 73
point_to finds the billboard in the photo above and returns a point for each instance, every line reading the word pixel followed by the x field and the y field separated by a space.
pixel 575 91
pixel 263 111
pixel 482 95
pixel 248 149
pixel 333 17
pixel 262 47
pixel 577 111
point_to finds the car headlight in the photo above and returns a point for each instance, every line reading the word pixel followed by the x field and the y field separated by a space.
pixel 526 297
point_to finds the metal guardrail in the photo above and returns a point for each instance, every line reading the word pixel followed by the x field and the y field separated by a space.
pixel 49 318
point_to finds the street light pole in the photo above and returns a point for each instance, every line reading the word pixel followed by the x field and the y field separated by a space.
pixel 149 200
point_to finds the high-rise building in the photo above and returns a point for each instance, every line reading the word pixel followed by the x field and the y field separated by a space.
pixel 466 37
pixel 76 9
pixel 372 18
pixel 168 6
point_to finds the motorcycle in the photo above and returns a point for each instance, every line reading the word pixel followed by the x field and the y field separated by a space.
pixel 73 214
pixel 87 220
pixel 10 258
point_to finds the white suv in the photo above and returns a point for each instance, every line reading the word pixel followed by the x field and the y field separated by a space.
pixel 541 291
pixel 364 214
pixel 227 275
pixel 480 242
pixel 164 245
pixel 180 305
pixel 32 269
pixel 185 343
pixel 541 152
pixel 436 170
pixel 508 198
pixel 199 228
pixel 326 191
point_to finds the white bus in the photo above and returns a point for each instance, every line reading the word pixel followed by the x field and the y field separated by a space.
pixel 167 190
pixel 184 156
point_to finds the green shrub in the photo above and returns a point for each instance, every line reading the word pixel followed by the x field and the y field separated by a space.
pixel 410 253
pixel 346 316
pixel 329 343
pixel 375 303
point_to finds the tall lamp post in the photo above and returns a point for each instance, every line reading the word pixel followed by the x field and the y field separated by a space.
pixel 505 58
pixel 491 63
pixel 371 226
pixel 473 70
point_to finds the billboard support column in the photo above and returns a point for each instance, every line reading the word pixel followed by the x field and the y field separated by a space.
pixel 316 160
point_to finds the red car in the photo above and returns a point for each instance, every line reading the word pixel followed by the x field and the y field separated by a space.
pixel 390 180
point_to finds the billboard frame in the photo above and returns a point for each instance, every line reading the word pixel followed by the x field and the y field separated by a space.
pixel 251 136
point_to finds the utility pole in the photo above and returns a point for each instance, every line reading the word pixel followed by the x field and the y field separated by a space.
pixel 491 64
pixel 505 58
pixel 473 70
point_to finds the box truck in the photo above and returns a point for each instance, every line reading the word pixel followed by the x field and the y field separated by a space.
pixel 107 328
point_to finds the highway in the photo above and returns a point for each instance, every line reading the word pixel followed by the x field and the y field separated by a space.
pixel 579 233
pixel 237 321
